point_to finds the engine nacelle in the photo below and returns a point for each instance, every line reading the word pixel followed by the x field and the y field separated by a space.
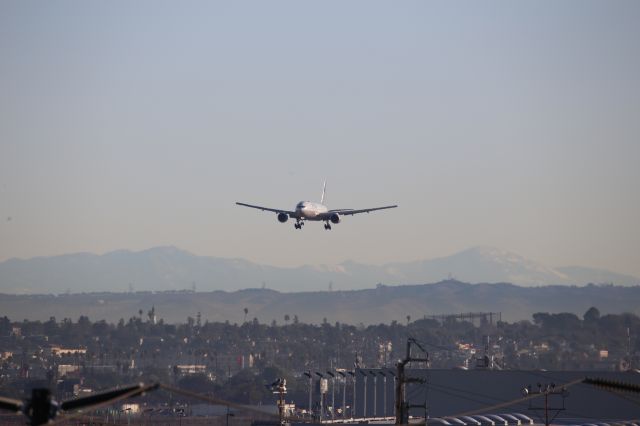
pixel 334 218
pixel 283 217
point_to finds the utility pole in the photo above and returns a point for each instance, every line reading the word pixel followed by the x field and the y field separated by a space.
pixel 546 390
pixel 402 406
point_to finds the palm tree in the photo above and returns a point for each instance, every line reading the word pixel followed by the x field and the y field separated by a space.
pixel 246 311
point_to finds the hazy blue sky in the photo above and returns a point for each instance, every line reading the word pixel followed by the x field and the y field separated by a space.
pixel 509 124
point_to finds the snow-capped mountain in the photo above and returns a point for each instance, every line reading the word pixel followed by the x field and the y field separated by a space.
pixel 169 268
pixel 485 264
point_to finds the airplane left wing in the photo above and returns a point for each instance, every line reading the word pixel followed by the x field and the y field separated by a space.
pixel 348 212
pixel 290 213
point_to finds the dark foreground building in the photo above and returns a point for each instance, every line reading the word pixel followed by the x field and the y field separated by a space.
pixel 447 393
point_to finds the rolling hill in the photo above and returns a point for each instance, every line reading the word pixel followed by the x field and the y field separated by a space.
pixel 382 304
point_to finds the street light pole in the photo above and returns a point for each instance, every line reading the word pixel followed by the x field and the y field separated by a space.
pixel 344 394
pixel 375 393
pixel 333 394
pixel 384 393
pixel 364 398
pixel 308 374
pixel 353 403
pixel 321 396
pixel 394 387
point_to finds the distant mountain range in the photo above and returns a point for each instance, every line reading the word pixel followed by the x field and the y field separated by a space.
pixel 169 268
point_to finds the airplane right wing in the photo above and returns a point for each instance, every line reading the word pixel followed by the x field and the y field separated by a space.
pixel 290 213
pixel 347 212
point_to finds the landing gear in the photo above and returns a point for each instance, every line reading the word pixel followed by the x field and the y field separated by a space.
pixel 327 226
pixel 298 225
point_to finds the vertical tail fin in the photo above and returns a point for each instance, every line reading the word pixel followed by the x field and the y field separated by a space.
pixel 324 187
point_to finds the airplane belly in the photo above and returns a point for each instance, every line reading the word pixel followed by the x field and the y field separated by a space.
pixel 310 215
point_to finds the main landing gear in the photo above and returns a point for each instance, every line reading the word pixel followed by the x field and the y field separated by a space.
pixel 327 226
pixel 298 224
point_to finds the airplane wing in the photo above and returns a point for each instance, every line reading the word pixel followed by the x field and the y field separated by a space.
pixel 290 213
pixel 349 212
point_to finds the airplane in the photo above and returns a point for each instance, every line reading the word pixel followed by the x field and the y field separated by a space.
pixel 307 210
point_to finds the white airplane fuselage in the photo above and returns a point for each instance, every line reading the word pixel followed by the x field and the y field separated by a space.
pixel 308 210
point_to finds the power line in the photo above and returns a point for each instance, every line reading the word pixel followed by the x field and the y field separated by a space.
pixel 508 403
pixel 488 408
pixel 64 417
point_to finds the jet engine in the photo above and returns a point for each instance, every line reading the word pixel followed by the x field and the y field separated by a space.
pixel 334 218
pixel 283 217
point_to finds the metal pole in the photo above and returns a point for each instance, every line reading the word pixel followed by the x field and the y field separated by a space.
pixel 375 394
pixel 394 387
pixel 310 393
pixel 364 403
pixel 321 396
pixel 281 407
pixel 344 397
pixel 321 403
pixel 310 396
pixel 384 393
pixel 333 394
pixel 546 408
pixel 333 397
pixel 353 408
pixel 228 380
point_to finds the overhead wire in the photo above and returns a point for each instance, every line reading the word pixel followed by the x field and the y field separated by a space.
pixel 582 384
pixel 448 390
pixel 64 417
pixel 508 403
pixel 80 413
pixel 451 390
pixel 514 402
pixel 214 400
